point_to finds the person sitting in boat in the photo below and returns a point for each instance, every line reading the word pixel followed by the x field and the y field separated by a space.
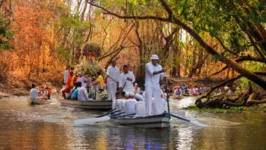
pixel 81 78
pixel 195 91
pixel 41 93
pixel 70 84
pixel 83 94
pixel 178 91
pixel 126 81
pixel 136 88
pixel 202 90
pixel 99 83
pixel 74 95
pixel 33 92
pixel 48 90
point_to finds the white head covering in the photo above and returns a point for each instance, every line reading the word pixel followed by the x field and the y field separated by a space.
pixel 154 57
pixel 79 73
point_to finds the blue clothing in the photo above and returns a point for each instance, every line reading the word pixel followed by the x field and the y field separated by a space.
pixel 74 95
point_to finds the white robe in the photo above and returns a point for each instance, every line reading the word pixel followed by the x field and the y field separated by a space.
pixel 158 106
pixel 125 84
pixel 152 86
pixel 82 80
pixel 83 94
pixel 113 72
pixel 34 93
pixel 66 74
pixel 140 109
pixel 129 106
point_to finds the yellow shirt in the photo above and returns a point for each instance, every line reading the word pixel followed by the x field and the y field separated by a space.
pixel 100 80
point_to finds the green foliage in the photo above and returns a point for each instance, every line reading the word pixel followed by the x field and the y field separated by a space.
pixel 63 53
pixel 88 68
pixel 5 34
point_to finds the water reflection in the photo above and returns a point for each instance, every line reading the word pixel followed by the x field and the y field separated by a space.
pixel 51 127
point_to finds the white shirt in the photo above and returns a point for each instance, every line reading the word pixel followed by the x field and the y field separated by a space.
pixel 114 74
pixel 125 84
pixel 150 79
pixel 83 94
pixel 34 93
pixel 66 74
pixel 82 80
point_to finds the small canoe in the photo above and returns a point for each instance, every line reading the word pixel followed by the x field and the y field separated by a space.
pixel 90 105
pixel 177 97
pixel 39 101
pixel 158 121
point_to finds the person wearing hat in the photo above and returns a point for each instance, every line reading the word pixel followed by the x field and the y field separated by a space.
pixel 113 76
pixel 127 79
pixel 153 73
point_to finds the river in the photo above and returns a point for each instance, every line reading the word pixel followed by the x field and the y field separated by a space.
pixel 50 127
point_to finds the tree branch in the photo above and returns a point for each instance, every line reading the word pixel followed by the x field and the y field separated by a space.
pixel 129 17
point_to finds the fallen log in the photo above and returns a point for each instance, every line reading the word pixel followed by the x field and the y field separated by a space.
pixel 251 100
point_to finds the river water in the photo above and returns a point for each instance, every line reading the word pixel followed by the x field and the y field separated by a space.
pixel 50 127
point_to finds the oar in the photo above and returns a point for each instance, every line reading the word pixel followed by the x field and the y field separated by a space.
pixel 91 120
pixel 123 116
pixel 107 113
pixel 115 115
pixel 187 120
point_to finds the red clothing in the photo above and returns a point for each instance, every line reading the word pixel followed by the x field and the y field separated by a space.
pixel 70 81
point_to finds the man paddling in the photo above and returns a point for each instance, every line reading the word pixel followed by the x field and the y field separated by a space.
pixel 127 79
pixel 112 80
pixel 152 83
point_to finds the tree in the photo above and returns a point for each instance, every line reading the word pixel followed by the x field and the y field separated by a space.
pixel 212 24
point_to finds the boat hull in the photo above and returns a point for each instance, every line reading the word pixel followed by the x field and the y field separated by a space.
pixel 89 105
pixel 159 121
pixel 39 102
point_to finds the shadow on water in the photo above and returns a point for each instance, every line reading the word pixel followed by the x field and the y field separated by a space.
pixel 51 127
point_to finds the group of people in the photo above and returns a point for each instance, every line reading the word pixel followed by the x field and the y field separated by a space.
pixel 77 86
pixel 131 99
pixel 43 92
pixel 126 95
pixel 187 90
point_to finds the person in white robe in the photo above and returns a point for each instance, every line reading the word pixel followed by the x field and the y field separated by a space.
pixel 152 83
pixel 127 79
pixel 113 76
pixel 66 74
pixel 83 94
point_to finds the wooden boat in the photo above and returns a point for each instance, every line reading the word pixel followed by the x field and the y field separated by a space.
pixel 177 97
pixel 90 105
pixel 39 101
pixel 158 121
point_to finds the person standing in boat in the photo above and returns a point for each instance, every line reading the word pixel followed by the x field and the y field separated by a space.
pixel 66 74
pixel 127 79
pixel 112 80
pixel 153 72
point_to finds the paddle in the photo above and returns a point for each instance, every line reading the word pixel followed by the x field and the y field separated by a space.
pixel 167 96
pixel 91 120
pixel 187 120
pixel 107 113
pixel 123 116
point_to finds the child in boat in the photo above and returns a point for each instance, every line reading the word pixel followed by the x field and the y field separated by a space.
pixel 48 90
pixel 41 93
pixel 74 95
pixel 33 92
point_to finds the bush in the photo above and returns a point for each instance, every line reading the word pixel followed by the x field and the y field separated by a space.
pixel 89 68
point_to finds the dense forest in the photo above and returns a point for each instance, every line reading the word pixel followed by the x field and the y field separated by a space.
pixel 198 39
